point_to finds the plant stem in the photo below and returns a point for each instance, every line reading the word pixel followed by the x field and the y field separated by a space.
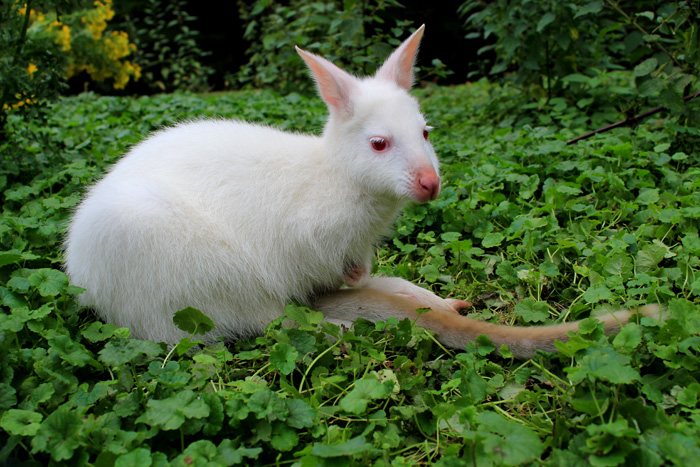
pixel 548 71
pixel 23 34
pixel 629 120
pixel 18 52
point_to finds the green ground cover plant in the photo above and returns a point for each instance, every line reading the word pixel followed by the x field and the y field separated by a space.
pixel 529 229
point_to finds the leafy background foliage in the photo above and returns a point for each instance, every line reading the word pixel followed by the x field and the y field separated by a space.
pixel 351 36
pixel 166 46
pixel 568 49
pixel 530 229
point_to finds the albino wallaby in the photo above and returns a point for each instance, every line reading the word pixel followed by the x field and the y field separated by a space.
pixel 237 219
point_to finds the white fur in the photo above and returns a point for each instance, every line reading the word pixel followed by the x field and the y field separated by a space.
pixel 237 219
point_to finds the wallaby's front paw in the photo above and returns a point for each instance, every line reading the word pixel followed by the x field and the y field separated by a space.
pixel 356 275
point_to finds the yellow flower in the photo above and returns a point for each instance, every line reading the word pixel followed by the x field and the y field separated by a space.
pixel 137 70
pixel 96 20
pixel 31 68
pixel 63 37
pixel 100 53
pixel 22 100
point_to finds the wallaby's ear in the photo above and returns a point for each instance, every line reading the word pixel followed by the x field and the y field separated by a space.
pixel 334 85
pixel 399 66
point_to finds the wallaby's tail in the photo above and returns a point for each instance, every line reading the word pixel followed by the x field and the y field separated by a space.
pixel 452 329
pixel 455 330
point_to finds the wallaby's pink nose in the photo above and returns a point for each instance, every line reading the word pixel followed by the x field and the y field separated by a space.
pixel 428 186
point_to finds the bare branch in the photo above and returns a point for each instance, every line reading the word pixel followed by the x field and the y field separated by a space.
pixel 630 120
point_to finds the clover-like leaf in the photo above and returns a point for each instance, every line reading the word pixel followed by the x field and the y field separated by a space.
pixel 500 441
pixel 307 319
pixel 58 434
pixel 301 414
pixel 531 310
pixel 350 447
pixel 283 357
pixel 172 412
pixel 364 391
pixel 21 422
pixel 193 321
pixel 604 363
pixel 49 282
pixel 597 293
pixel 492 239
pixel 119 351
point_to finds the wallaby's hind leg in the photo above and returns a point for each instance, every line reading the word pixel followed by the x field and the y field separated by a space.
pixel 419 295
pixel 381 298
pixel 344 306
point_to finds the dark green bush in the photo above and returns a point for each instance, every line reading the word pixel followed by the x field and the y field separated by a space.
pixel 355 35
pixel 570 49
pixel 166 46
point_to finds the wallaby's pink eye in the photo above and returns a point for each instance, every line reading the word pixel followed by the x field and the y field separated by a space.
pixel 426 134
pixel 378 144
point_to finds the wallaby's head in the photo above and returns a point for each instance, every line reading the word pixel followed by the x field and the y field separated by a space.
pixel 378 134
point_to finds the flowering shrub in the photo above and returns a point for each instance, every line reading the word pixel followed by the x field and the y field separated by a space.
pixel 30 66
pixel 40 49
pixel 89 47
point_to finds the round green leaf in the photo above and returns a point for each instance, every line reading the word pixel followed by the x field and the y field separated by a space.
pixel 492 239
pixel 597 293
pixel 21 422
pixel 193 321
